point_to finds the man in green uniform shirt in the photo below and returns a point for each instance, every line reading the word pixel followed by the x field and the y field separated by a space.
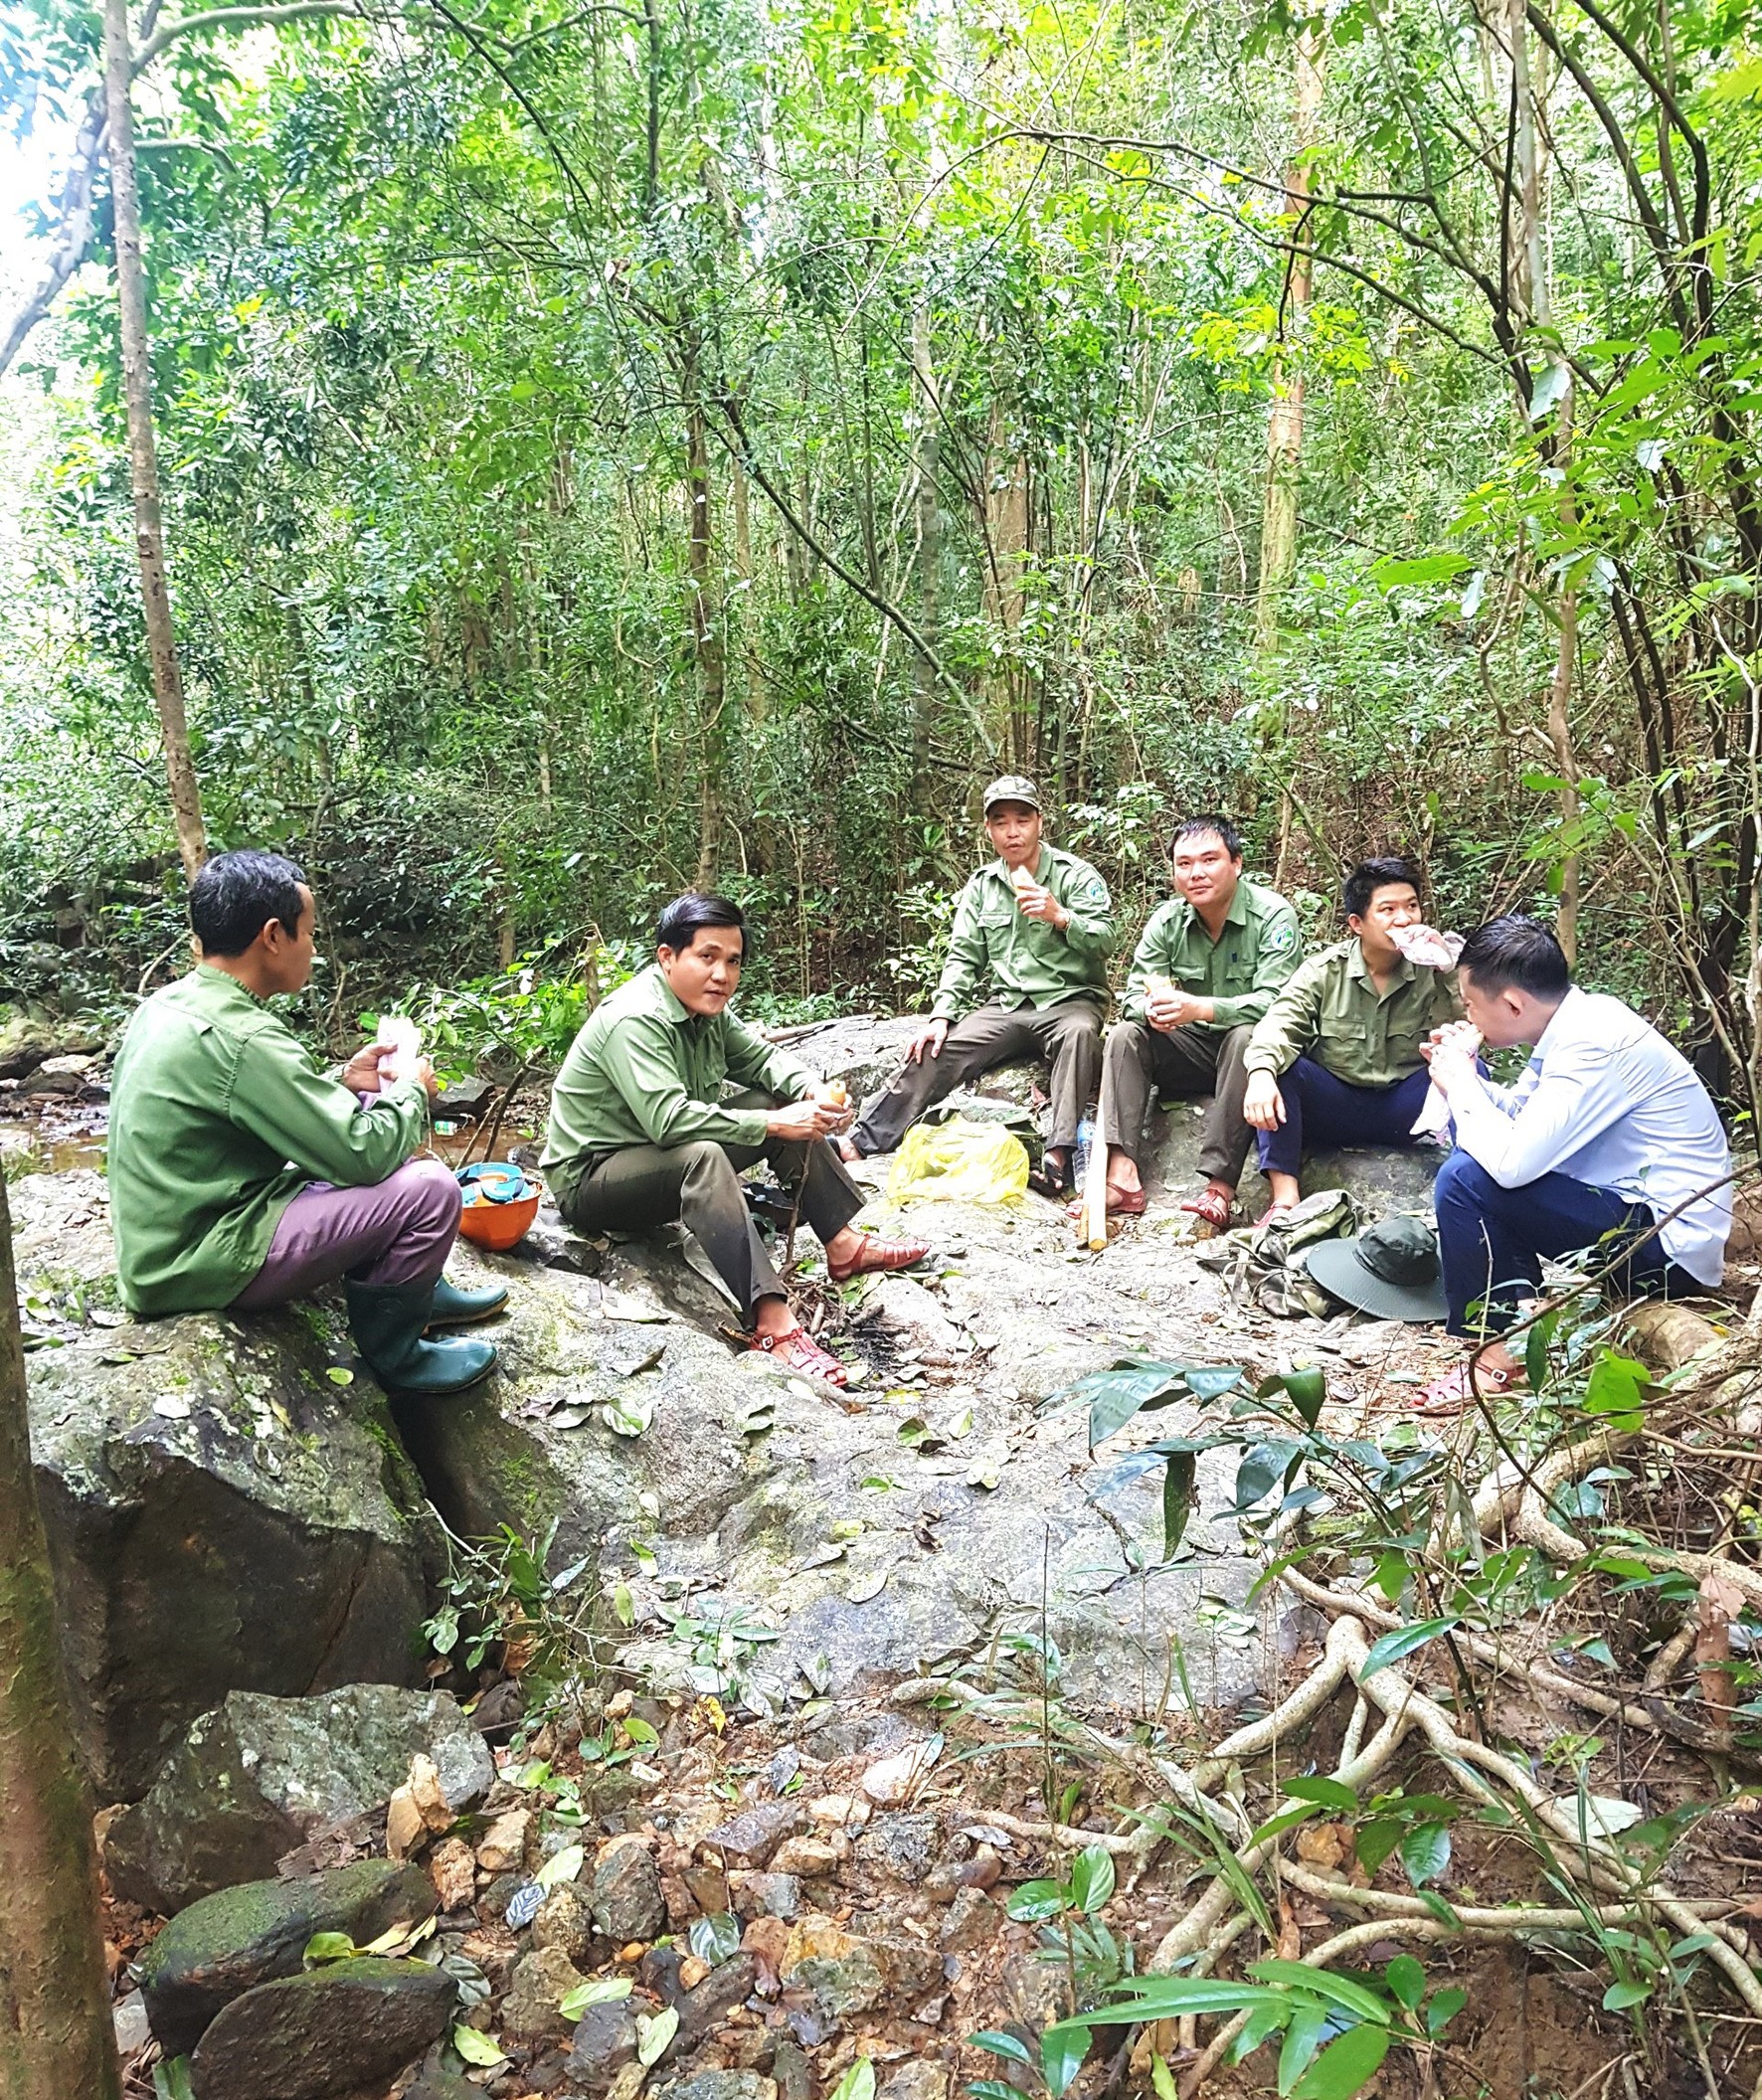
pixel 1206 969
pixel 1339 1059
pixel 641 1134
pixel 1026 977
pixel 242 1177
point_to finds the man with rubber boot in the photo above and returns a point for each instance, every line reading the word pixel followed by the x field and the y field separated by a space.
pixel 242 1177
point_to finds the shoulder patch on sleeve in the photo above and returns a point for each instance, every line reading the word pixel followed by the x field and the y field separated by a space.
pixel 1097 892
pixel 1280 940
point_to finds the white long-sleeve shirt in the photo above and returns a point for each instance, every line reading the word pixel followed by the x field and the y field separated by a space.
pixel 1608 1102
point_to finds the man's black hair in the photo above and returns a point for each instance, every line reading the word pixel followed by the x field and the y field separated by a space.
pixel 682 921
pixel 1515 954
pixel 1210 826
pixel 1369 876
pixel 237 894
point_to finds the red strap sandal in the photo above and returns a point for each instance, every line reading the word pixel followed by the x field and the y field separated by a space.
pixel 798 1352
pixel 1457 1388
pixel 1211 1207
pixel 1121 1203
pixel 879 1255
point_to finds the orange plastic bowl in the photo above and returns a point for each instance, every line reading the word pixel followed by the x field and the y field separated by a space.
pixel 499 1226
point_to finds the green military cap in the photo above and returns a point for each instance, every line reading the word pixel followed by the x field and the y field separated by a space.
pixel 1011 788
pixel 1390 1270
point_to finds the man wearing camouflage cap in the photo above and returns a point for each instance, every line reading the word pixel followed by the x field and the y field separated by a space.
pixel 1026 977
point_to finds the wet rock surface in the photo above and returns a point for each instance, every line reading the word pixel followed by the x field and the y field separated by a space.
pixel 332 2031
pixel 232 1941
pixel 253 1778
pixel 222 1514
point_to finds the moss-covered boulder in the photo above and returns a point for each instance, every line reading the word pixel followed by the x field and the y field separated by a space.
pixel 348 2027
pixel 223 1512
pixel 230 1942
pixel 250 1780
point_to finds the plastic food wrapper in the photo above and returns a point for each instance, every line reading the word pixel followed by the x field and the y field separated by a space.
pixel 959 1162
pixel 1424 947
pixel 1427 948
pixel 401 1044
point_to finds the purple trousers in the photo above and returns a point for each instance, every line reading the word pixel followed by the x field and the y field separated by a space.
pixel 398 1232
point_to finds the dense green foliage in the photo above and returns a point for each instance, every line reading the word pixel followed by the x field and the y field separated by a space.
pixel 610 448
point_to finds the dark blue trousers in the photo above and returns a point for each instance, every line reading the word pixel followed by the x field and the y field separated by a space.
pixel 1492 1240
pixel 1321 1111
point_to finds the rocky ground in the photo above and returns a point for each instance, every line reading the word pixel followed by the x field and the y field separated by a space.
pixel 817 1751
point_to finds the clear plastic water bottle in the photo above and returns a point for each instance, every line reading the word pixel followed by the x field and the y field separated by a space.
pixel 1085 1138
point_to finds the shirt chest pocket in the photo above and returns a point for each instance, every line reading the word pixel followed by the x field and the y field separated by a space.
pixel 997 914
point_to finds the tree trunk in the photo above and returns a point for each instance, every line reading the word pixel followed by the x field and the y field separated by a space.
pixel 54 2007
pixel 137 389
pixel 929 553
pixel 1284 428
pixel 706 639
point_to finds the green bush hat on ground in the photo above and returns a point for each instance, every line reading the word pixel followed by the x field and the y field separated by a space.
pixel 1390 1270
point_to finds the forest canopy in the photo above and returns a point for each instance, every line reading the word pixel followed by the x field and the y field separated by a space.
pixel 610 448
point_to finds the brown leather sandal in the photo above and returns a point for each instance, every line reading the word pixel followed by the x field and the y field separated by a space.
pixel 879 1255
pixel 798 1352
pixel 1211 1209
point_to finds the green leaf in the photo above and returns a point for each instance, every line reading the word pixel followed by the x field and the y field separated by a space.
pixel 1035 1900
pixel 1427 569
pixel 1619 1996
pixel 653 2035
pixel 1402 1642
pixel 1617 1386
pixel 1062 2051
pixel 1116 1396
pixel 1004 2046
pixel 1425 1852
pixel 1303 2037
pixel 561 1867
pixel 327 1947
pixel 171 2080
pixel 715 1936
pixel 1162 2079
pixel 1308 1390
pixel 1406 1977
pixel 598 1991
pixel 1329 1793
pixel 1177 1499
pixel 341 1374
pixel 991 2089
pixel 1535 1350
pixel 1445 2006
pixel 857 2083
pixel 1375 1841
pixel 1322 1982
pixel 1345 2066
pixel 1092 1878
pixel 630 1413
pixel 477 2047
pixel 1549 389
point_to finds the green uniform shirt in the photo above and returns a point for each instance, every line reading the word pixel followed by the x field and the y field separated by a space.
pixel 997 954
pixel 1330 1011
pixel 644 1070
pixel 1255 954
pixel 218 1118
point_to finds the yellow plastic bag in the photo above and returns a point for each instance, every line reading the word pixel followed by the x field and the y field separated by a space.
pixel 959 1162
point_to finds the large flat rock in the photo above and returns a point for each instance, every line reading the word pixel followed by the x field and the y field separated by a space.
pixel 222 1514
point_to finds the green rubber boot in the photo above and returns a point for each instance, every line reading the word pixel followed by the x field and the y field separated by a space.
pixel 387 1329
pixel 453 1307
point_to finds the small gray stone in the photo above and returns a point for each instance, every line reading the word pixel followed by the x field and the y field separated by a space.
pixel 755 1832
pixel 604 2043
pixel 708 2004
pixel 626 1899
pixel 229 1943
pixel 333 2030
pixel 765 1895
pixel 539 1984
pixel 973 1918
pixel 719 2085
pixel 791 2068
pixel 901 1846
pixel 566 1921
pixel 134 2030
pixel 924 2078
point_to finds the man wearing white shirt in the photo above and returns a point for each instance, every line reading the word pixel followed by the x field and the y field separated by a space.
pixel 1607 1139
